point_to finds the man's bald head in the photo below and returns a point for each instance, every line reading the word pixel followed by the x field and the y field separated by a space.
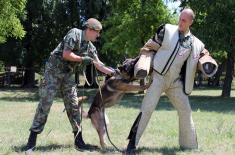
pixel 189 12
pixel 186 20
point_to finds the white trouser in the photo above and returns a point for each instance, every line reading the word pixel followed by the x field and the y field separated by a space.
pixel 174 90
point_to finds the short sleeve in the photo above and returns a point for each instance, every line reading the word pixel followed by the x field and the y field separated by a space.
pixel 70 40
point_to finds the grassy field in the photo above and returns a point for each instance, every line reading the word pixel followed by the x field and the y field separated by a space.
pixel 214 118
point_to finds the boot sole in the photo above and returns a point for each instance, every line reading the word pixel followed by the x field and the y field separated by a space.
pixel 30 151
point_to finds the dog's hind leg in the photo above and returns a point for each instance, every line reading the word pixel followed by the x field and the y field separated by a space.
pixel 97 119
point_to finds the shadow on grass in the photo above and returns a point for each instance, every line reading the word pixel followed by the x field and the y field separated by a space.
pixel 46 148
pixel 53 147
pixel 19 94
pixel 133 100
pixel 164 150
pixel 109 150
pixel 217 104
pixel 22 95
pixel 203 103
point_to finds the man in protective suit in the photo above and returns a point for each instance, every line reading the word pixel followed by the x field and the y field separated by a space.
pixel 176 55
pixel 75 50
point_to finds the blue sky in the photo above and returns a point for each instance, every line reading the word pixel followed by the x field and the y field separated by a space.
pixel 172 5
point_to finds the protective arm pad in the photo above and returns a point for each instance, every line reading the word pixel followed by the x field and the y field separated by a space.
pixel 150 46
pixel 207 65
pixel 142 67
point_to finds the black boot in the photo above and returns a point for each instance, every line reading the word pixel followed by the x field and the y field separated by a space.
pixel 131 148
pixel 31 141
pixel 79 142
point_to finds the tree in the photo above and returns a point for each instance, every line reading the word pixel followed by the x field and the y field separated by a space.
pixel 99 9
pixel 214 25
pixel 47 22
pixel 10 14
pixel 129 26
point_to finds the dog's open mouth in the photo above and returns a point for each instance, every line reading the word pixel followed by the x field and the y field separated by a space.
pixel 127 68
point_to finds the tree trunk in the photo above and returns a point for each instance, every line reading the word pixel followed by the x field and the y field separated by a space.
pixel 29 78
pixel 229 75
pixel 216 81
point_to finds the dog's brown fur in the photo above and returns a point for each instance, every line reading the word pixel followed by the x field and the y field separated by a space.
pixel 112 92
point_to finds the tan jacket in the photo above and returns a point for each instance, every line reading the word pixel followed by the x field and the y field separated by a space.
pixel 166 53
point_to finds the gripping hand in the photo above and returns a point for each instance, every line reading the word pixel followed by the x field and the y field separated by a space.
pixel 86 60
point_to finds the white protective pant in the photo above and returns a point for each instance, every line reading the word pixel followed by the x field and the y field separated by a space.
pixel 173 88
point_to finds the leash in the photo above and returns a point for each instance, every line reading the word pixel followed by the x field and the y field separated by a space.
pixel 79 126
pixel 83 94
pixel 84 74
pixel 105 124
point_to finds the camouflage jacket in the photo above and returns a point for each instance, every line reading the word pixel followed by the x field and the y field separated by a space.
pixel 74 41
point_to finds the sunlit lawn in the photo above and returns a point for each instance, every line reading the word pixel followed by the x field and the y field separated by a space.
pixel 214 118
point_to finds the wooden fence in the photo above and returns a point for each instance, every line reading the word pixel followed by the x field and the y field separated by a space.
pixel 11 76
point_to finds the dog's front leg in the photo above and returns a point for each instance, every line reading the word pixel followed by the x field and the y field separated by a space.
pixel 130 87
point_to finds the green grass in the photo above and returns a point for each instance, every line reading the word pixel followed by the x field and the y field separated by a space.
pixel 214 118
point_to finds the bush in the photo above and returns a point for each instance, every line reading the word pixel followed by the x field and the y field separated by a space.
pixel 1 66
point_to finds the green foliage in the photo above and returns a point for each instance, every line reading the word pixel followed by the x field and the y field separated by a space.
pixel 219 55
pixel 12 52
pixel 127 26
pixel 214 25
pixel 130 25
pixel 47 22
pixel 215 22
pixel 1 66
pixel 11 12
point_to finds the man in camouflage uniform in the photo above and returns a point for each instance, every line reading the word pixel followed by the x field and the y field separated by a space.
pixel 74 50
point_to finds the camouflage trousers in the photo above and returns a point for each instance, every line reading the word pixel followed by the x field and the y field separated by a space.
pixel 54 80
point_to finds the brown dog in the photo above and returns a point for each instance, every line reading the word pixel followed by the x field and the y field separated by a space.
pixel 112 92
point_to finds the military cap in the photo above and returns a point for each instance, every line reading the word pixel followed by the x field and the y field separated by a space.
pixel 94 24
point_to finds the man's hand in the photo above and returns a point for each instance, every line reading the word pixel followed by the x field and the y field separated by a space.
pixel 208 67
pixel 115 72
pixel 86 60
